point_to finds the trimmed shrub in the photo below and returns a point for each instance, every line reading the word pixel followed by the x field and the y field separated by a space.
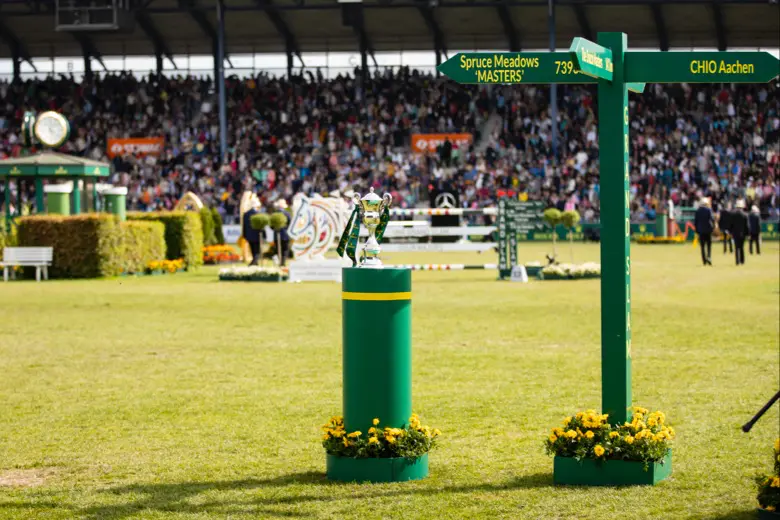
pixel 219 234
pixel 570 218
pixel 143 242
pixel 85 246
pixel 277 221
pixel 183 234
pixel 207 224
pixel 259 221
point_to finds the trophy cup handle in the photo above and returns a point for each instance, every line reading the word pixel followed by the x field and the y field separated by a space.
pixel 387 199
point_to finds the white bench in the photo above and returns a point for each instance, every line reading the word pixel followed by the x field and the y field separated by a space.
pixel 38 257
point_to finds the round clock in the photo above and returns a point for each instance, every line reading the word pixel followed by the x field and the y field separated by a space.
pixel 52 129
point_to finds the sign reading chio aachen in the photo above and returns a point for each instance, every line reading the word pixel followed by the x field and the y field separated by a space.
pixel 616 71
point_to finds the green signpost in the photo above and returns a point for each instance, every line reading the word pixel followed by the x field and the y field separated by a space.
pixel 591 59
pixel 616 71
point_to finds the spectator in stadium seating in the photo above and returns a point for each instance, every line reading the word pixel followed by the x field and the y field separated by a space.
pixel 754 225
pixel 739 230
pixel 704 224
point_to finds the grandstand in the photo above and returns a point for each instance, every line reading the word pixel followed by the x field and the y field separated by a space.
pixel 308 130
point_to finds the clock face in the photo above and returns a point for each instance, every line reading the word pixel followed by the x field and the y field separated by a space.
pixel 51 129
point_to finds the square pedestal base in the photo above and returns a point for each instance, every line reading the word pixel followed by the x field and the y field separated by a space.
pixel 401 469
pixel 590 472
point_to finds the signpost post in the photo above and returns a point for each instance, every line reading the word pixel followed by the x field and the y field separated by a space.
pixel 616 71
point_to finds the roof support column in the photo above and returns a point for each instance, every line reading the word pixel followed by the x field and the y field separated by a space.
pixel 219 75
pixel 553 87
pixel 17 64
pixel 87 65
pixel 289 63
pixel 159 59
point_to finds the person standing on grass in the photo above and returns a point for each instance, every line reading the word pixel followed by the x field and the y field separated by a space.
pixel 704 223
pixel 739 230
pixel 251 234
pixel 754 225
pixel 281 236
pixel 724 223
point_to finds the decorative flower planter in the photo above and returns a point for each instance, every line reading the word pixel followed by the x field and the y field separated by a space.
pixel 591 472
pixel 400 469
pixel 533 270
pixel 763 514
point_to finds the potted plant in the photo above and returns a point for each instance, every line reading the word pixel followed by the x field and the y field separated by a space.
pixel 380 454
pixel 259 221
pixel 589 450
pixel 552 216
pixel 769 490
pixel 570 219
pixel 277 222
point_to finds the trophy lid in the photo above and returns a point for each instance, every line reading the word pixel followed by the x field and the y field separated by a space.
pixel 371 196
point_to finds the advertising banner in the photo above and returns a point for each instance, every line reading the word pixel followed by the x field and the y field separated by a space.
pixel 135 146
pixel 425 143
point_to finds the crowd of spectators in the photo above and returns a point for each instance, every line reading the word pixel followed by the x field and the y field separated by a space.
pixel 308 134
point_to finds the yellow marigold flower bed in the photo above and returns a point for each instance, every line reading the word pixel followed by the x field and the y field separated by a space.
pixel 411 441
pixel 589 435
pixel 769 485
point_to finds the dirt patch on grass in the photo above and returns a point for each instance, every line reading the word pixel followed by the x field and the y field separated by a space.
pixel 31 477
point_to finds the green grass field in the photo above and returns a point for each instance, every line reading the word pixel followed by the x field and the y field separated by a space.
pixel 183 397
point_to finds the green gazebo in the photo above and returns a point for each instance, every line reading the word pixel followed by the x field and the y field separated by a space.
pixel 51 166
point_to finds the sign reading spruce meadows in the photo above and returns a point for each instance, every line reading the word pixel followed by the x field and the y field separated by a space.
pixel 616 71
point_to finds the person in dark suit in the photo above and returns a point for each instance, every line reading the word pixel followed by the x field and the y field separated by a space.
pixel 739 230
pixel 754 225
pixel 704 223
pixel 724 223
pixel 251 235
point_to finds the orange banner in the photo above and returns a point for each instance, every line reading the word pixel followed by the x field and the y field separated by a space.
pixel 423 143
pixel 135 146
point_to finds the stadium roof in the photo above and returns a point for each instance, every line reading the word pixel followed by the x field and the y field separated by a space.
pixel 181 27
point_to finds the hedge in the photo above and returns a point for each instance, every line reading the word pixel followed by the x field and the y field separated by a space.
pixel 143 242
pixel 219 234
pixel 183 234
pixel 94 245
pixel 207 224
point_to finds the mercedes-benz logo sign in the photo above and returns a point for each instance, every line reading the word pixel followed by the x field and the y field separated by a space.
pixel 445 200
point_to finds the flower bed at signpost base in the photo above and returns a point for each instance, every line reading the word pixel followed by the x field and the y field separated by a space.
pixel 769 490
pixel 591 452
pixel 222 254
pixel 570 271
pixel 380 454
pixel 253 274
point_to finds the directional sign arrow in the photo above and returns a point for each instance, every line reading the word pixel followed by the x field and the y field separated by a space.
pixel 591 58
pixel 701 67
pixel 512 67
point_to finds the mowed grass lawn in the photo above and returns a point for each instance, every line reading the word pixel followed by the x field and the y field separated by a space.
pixel 184 397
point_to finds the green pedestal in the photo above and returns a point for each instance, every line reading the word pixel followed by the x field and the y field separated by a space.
pixel 589 472
pixel 662 225
pixel 58 198
pixel 116 202
pixel 376 470
pixel 377 368
pixel 377 346
pixel 763 514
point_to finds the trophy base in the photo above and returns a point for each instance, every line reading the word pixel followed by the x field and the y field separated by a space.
pixel 372 263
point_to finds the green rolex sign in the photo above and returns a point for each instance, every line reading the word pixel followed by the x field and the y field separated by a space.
pixel 591 59
pixel 616 71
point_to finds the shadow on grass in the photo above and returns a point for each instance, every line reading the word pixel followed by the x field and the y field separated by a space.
pixel 175 497
pixel 750 514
